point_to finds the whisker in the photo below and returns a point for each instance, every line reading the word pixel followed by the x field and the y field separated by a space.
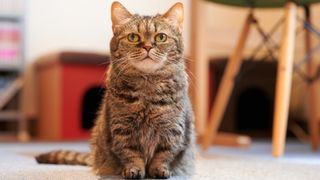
pixel 103 78
pixel 120 69
pixel 192 79
pixel 188 59
pixel 103 63
pixel 190 75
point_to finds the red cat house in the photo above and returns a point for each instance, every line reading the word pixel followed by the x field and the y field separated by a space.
pixel 70 87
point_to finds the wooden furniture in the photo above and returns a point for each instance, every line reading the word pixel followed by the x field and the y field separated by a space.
pixel 68 86
pixel 283 84
pixel 250 108
pixel 11 67
pixel 199 76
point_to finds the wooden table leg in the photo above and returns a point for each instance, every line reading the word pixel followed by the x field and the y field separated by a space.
pixel 226 86
pixel 200 66
pixel 284 78
pixel 312 89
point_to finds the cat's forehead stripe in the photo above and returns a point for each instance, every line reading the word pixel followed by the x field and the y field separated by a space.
pixel 145 24
pixel 139 27
pixel 155 27
pixel 142 24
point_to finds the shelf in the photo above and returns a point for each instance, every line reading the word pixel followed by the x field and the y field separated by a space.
pixel 12 25
pixel 6 67
pixel 9 115
pixel 9 92
pixel 11 18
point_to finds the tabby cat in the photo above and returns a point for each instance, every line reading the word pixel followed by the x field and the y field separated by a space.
pixel 145 124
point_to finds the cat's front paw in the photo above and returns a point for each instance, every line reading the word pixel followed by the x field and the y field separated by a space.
pixel 161 171
pixel 133 172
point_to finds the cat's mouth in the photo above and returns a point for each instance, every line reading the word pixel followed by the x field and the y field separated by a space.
pixel 147 64
pixel 147 58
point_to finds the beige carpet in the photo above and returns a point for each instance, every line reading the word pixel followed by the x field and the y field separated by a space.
pixel 16 162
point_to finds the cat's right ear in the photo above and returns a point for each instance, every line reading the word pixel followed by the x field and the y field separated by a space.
pixel 119 14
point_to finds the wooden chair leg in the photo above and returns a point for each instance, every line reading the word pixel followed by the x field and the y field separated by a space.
pixel 226 87
pixel 199 68
pixel 284 78
pixel 312 89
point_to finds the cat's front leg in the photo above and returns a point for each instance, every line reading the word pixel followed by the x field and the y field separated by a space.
pixel 130 157
pixel 159 168
pixel 164 155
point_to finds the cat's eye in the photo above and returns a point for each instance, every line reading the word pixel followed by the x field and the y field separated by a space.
pixel 161 37
pixel 132 37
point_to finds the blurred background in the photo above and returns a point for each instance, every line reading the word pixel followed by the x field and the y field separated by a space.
pixel 54 54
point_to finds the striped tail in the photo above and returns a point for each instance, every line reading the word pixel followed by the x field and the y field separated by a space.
pixel 64 157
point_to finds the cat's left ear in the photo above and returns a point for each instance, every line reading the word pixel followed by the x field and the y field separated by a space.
pixel 119 14
pixel 176 15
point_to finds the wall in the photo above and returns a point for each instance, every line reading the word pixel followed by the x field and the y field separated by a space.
pixel 86 25
pixel 225 22
pixel 83 25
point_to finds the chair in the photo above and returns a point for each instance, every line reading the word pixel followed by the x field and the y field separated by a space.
pixel 284 75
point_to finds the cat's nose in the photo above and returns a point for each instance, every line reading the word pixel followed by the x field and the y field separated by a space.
pixel 147 47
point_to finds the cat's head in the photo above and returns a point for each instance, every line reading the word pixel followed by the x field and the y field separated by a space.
pixel 146 43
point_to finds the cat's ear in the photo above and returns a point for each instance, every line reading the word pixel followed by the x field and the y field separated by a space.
pixel 119 14
pixel 176 15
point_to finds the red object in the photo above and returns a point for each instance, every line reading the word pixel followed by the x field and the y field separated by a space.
pixel 76 80
pixel 64 79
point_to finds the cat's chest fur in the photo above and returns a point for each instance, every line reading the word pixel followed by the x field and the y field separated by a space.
pixel 156 103
pixel 154 108
pixel 150 93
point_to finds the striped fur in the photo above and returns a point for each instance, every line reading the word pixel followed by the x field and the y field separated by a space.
pixel 145 124
pixel 64 157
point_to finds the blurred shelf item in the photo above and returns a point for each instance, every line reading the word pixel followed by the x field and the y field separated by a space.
pixel 10 18
pixel 11 42
pixel 11 66
pixel 9 115
pixel 12 7
pixel 8 89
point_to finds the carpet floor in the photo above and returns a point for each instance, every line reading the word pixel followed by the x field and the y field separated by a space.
pixel 218 163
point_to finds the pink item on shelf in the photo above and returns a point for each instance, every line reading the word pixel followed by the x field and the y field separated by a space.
pixel 9 35
pixel 8 54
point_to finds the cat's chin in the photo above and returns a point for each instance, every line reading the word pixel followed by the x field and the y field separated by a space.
pixel 148 65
